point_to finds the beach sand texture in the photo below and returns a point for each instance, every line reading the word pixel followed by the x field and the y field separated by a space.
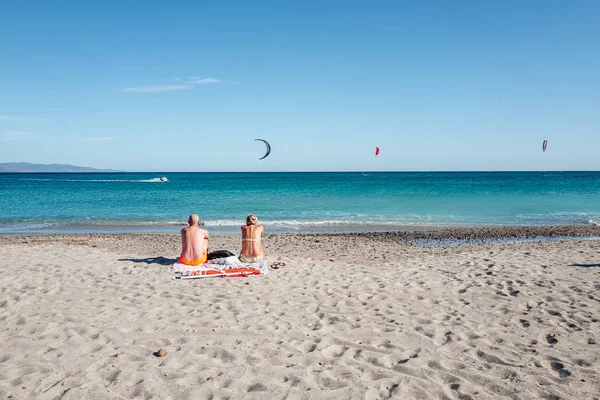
pixel 81 317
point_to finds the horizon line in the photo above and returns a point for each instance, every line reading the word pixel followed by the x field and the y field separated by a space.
pixel 113 171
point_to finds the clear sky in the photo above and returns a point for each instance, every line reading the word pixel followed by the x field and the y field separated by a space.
pixel 188 86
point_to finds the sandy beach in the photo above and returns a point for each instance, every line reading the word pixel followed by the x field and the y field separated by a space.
pixel 365 316
pixel 417 185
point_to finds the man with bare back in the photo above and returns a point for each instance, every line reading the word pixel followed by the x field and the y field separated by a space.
pixel 194 243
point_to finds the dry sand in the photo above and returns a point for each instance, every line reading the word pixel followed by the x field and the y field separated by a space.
pixel 82 316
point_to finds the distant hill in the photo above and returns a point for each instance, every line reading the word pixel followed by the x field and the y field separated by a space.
pixel 27 167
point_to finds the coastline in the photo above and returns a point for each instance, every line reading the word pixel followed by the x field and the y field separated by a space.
pixel 324 228
pixel 321 243
pixel 363 315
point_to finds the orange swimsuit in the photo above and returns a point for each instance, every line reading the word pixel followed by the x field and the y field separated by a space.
pixel 202 259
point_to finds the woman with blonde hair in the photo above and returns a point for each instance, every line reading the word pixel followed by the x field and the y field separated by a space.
pixel 252 250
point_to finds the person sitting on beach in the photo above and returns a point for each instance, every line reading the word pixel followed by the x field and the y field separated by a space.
pixel 194 243
pixel 252 250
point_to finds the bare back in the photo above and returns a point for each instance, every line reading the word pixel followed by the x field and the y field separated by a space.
pixel 251 236
pixel 194 242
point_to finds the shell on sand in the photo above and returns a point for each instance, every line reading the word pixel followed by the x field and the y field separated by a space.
pixel 161 353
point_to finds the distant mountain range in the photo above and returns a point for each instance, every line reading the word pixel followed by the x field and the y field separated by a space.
pixel 27 167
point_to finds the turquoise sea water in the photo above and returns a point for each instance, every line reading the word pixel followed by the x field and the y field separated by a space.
pixel 295 202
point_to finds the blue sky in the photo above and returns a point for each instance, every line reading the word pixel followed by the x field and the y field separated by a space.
pixel 188 86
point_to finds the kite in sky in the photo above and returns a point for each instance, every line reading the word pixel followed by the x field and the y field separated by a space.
pixel 268 148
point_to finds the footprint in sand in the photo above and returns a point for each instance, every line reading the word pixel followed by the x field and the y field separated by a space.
pixel 551 339
pixel 560 368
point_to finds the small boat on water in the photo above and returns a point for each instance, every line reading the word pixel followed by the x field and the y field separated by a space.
pixel 163 179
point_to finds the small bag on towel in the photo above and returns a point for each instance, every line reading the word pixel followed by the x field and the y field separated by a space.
pixel 219 254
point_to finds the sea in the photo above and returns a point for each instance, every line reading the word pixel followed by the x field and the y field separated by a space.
pixel 295 202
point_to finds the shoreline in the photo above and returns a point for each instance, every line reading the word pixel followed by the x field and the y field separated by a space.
pixel 359 245
pixel 421 232
pixel 276 227
pixel 283 227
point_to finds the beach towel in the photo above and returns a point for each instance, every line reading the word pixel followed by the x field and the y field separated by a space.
pixel 228 267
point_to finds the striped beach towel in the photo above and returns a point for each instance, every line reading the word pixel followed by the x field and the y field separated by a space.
pixel 220 268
